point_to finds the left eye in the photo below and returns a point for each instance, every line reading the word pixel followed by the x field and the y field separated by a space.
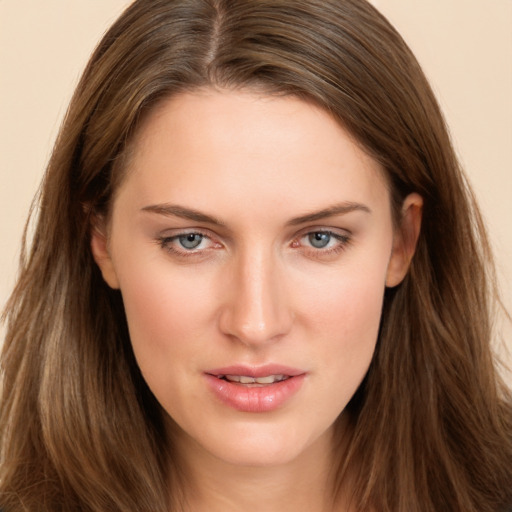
pixel 190 240
pixel 319 239
pixel 323 242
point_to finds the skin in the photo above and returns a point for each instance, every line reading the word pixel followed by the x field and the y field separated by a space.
pixel 255 290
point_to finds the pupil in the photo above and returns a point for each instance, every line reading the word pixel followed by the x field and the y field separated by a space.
pixel 190 240
pixel 319 239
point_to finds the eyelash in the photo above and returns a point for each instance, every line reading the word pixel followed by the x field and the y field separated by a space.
pixel 168 243
pixel 343 240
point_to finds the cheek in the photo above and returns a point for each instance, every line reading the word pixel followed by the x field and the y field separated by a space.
pixel 345 318
pixel 349 300
pixel 167 314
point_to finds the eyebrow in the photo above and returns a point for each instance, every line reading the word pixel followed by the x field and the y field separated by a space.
pixel 171 210
pixel 331 211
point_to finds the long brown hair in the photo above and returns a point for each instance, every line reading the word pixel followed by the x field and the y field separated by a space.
pixel 432 422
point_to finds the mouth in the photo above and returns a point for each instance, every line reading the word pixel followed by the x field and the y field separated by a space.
pixel 255 389
pixel 249 381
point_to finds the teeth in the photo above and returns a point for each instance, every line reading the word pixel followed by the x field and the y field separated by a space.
pixel 243 379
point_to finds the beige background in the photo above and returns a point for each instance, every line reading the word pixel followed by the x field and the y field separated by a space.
pixel 465 47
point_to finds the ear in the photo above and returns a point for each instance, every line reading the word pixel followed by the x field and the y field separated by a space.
pixel 405 240
pixel 101 254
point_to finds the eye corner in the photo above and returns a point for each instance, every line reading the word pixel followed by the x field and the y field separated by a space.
pixel 331 242
pixel 188 243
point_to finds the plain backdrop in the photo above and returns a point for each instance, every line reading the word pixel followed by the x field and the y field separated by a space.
pixel 464 46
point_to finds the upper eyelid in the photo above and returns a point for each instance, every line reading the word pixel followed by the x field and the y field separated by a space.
pixel 324 229
pixel 176 232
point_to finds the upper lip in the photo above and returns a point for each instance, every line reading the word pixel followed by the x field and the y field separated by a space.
pixel 256 371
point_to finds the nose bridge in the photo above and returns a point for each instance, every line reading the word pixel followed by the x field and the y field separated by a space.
pixel 257 311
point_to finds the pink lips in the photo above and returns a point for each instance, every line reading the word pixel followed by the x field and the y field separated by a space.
pixel 255 398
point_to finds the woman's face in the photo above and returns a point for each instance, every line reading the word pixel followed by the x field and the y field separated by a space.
pixel 252 242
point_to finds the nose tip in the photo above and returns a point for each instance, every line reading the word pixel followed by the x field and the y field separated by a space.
pixel 257 311
pixel 254 332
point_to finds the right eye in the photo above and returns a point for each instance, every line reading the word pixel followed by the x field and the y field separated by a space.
pixel 188 244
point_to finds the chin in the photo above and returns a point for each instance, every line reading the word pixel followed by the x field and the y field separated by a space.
pixel 259 444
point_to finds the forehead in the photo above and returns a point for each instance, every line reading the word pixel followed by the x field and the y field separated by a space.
pixel 232 143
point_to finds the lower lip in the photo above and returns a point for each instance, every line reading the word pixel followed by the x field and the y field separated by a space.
pixel 266 398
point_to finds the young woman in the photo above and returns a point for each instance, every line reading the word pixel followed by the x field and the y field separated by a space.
pixel 258 280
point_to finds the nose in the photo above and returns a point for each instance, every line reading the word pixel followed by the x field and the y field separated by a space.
pixel 257 311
